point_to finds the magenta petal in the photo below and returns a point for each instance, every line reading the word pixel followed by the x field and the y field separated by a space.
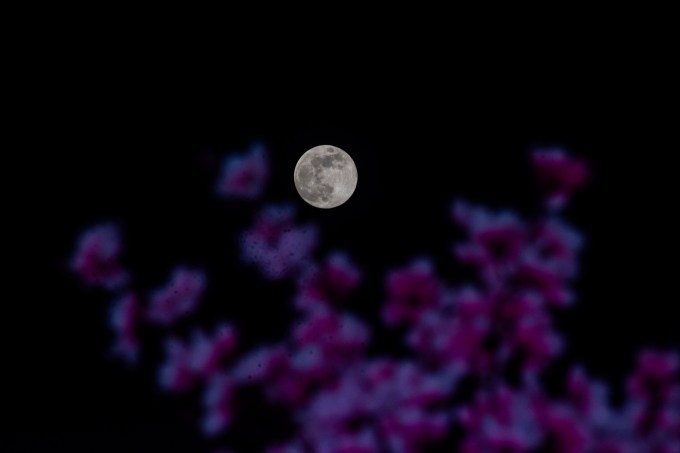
pixel 178 298
pixel 124 317
pixel 559 175
pixel 244 176
pixel 96 257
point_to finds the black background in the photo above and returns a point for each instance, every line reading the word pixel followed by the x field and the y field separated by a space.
pixel 139 142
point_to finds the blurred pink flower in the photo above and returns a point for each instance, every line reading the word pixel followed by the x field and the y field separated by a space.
pixel 200 359
pixel 500 420
pixel 340 337
pixel 123 319
pixel 589 398
pixel 320 348
pixel 456 336
pixel 653 408
pixel 495 240
pixel 96 257
pixel 655 374
pixel 217 404
pixel 327 284
pixel 538 258
pixel 559 175
pixel 534 278
pixel 538 343
pixel 207 353
pixel 555 245
pixel 563 430
pixel 175 374
pixel 262 364
pixel 411 292
pixel 273 368
pixel 244 176
pixel 179 298
pixel 278 247
pixel 394 401
pixel 486 334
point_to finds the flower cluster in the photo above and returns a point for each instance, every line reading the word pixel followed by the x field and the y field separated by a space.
pixel 328 284
pixel 244 176
pixel 200 359
pixel 123 319
pixel 318 350
pixel 473 381
pixel 276 245
pixel 559 174
pixel 377 405
pixel 179 298
pixel 96 259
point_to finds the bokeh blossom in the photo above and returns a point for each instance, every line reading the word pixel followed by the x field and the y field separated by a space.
pixel 559 175
pixel 319 348
pixel 496 240
pixel 178 298
pixel 217 404
pixel 96 259
pixel 471 378
pixel 276 245
pixel 329 283
pixel 196 360
pixel 244 176
pixel 411 292
pixel 377 405
pixel 123 318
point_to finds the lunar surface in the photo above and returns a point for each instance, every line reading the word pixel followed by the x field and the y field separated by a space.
pixel 325 176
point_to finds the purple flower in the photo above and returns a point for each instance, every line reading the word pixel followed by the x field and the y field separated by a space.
pixel 588 398
pixel 201 358
pixel 123 319
pixel 456 336
pixel 277 246
pixel 534 277
pixel 537 342
pixel 500 420
pixel 207 353
pixel 562 429
pixel 217 403
pixel 321 346
pixel 339 337
pixel 262 365
pixel 244 175
pixel 175 374
pixel 327 284
pixel 655 374
pixel 488 335
pixel 96 257
pixel 179 298
pixel 496 240
pixel 653 410
pixel 376 403
pixel 555 246
pixel 559 175
pixel 283 381
pixel 411 292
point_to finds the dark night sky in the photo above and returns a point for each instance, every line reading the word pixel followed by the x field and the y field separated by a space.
pixel 142 149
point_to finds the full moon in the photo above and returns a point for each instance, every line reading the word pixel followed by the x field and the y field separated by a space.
pixel 325 176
